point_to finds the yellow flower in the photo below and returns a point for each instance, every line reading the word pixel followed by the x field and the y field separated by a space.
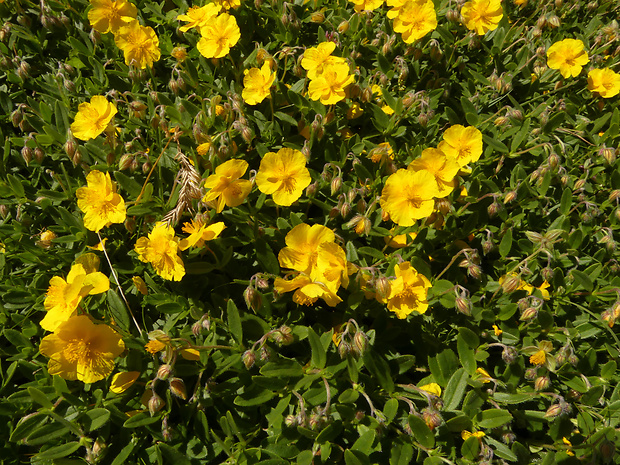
pixel 605 82
pixel 154 346
pixel 179 53
pixel 387 109
pixel 399 241
pixel 225 186
pixel 381 153
pixel 283 175
pixel 307 291
pixel 432 388
pixel 257 84
pixel 190 354
pixel 228 4
pixel 354 111
pixel 92 117
pixel 482 15
pixel 63 297
pixel 408 291
pixel 414 19
pixel 199 16
pixel 316 59
pixel 100 202
pixel 523 286
pixel 140 285
pixel 45 239
pixel 329 86
pixel 467 434
pixel 218 36
pixel 568 56
pixel 203 148
pixel 110 15
pixel 441 166
pixel 80 349
pixel 485 377
pixel 462 143
pixel 366 5
pixel 199 233
pixel 538 358
pixel 497 330
pixel 160 250
pixel 123 381
pixel 408 196
pixel 567 442
pixel 139 44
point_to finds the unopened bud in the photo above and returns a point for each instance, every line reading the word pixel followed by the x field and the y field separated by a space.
pixel 475 271
pixel 177 387
pixel 513 113
pixel 360 342
pixel 529 314
pixel 155 404
pixel 453 16
pixel 248 358
pixel 553 21
pixel 609 154
pixel 509 355
pixel 286 335
pixel 541 383
pixel 164 371
pixel 336 184
pixel 290 420
pixel 531 373
pixel 343 27
pixel 554 411
pixel 125 161
pixel 510 196
pixel 607 450
pixel 463 305
pixel 253 298
pixel 27 154
pixel 317 17
pixel 70 147
pixel 432 418
pixel 344 349
pixel 312 189
pixel 494 209
pixel 554 160
pixel 579 184
pixel 511 284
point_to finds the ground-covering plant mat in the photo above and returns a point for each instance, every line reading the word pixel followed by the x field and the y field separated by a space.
pixel 313 232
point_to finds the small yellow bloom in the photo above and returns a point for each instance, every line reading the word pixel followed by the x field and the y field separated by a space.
pixel 199 233
pixel 485 377
pixel 225 187
pixel 283 175
pixel 443 167
pixel 497 330
pixel 387 109
pixel 45 239
pixel 257 84
pixel 462 143
pixel 604 82
pixel 154 346
pixel 80 349
pixel 218 36
pixel 408 291
pixel 110 15
pixel 329 86
pixel 123 381
pixel 366 5
pixel 160 250
pixel 567 55
pixel 482 15
pixel 467 434
pixel 354 111
pixel 92 117
pixel 569 444
pixel 432 388
pixel 140 45
pixel 413 18
pixel 538 358
pixel 408 196
pixel 190 354
pixel 100 202
pixel 203 148
pixel 199 16
pixel 317 59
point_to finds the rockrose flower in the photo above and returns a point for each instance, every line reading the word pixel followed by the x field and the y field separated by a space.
pixel 199 232
pixel 139 44
pixel 160 250
pixel 92 117
pixel 462 143
pixel 283 175
pixel 307 291
pixel 414 19
pixel 440 165
pixel 567 55
pixel 218 36
pixel 199 16
pixel 100 202
pixel 366 5
pixel 408 291
pixel 604 82
pixel 329 86
pixel 408 196
pixel 63 297
pixel 225 187
pixel 316 59
pixel 257 84
pixel 482 15
pixel 80 349
pixel 110 15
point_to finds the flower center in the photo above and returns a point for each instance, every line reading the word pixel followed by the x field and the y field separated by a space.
pixel 77 350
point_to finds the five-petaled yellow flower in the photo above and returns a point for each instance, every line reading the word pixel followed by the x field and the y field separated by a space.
pixel 604 82
pixel 80 349
pixel 306 290
pixel 567 55
pixel 414 19
pixel 160 249
pixel 366 5
pixel 482 15
pixel 329 86
pixel 441 166
pixel 408 196
pixel 199 232
pixel 317 59
pixel 408 291
pixel 110 15
pixel 218 36
pixel 225 186
pixel 199 16
pixel 92 117
pixel 63 297
pixel 462 143
pixel 139 44
pixel 283 175
pixel 100 202
pixel 257 84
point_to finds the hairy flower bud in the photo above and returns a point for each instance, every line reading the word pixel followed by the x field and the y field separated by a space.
pixel 286 335
pixel 541 383
pixel 360 342
pixel 463 305
pixel 509 355
pixel 164 371
pixel 248 358
pixel 177 387
pixel 529 314
pixel 27 154
pixel 432 418
pixel 511 284
pixel 155 404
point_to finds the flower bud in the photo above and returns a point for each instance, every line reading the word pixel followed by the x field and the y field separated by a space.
pixel 509 355
pixel 607 450
pixel 155 404
pixel 286 335
pixel 579 184
pixel 164 371
pixel 312 189
pixel 248 358
pixel 125 162
pixel 609 154
pixel 382 287
pixel 317 17
pixel 253 298
pixel 344 349
pixel 554 411
pixel 510 196
pixel 510 284
pixel 529 314
pixel 463 305
pixel 336 184
pixel 290 420
pixel 453 16
pixel 541 383
pixel 343 27
pixel 531 373
pixel 494 209
pixel 27 154
pixel 475 271
pixel 70 147
pixel 432 418
pixel 177 387
pixel 360 342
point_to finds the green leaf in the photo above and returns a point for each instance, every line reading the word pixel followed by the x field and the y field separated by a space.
pixel 390 409
pixel 455 390
pixel 401 454
pixel 47 433
pixel 266 257
pixel 60 451
pixel 319 357
pixel 128 184
pixel 140 419
pixel 118 310
pixel 95 419
pixel 495 144
pixel 124 454
pixel 39 397
pixel 254 395
pixel 566 202
pixel 466 354
pixel 506 244
pixel 355 458
pixel 364 442
pixel 493 418
pixel 471 448
pixel 234 321
pixel 282 367
pixel 379 368
pixel 421 432
pixel 171 455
